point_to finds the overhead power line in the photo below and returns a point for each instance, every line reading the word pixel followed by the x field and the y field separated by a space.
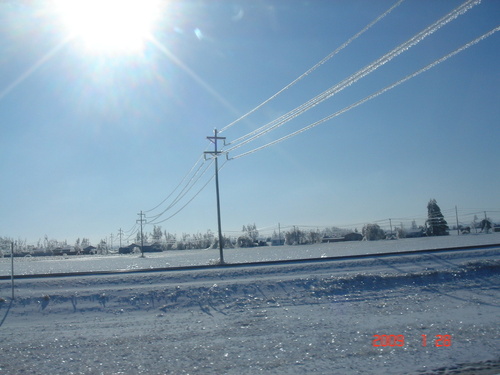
pixel 364 100
pixel 332 54
pixel 189 201
pixel 462 9
pixel 180 183
pixel 194 178
pixel 324 60
pixel 187 188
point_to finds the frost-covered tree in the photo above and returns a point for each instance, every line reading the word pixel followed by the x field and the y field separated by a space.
pixel 102 247
pixel 251 231
pixel 486 225
pixel 244 241
pixel 334 232
pixel 314 237
pixel 50 244
pixel 226 243
pixel 170 240
pixel 474 222
pixel 295 237
pixel 138 238
pixel 400 231
pixel 85 243
pixel 5 243
pixel 157 234
pixel 436 225
pixel 373 232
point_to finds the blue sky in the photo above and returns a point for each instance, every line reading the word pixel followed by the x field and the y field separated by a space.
pixel 90 138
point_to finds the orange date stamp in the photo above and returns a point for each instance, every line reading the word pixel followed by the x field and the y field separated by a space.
pixel 399 340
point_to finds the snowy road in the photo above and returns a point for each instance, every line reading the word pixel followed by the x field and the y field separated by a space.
pixel 289 319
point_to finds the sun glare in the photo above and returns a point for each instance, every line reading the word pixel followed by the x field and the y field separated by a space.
pixel 110 25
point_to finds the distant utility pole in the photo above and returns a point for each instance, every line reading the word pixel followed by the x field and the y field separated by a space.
pixel 12 267
pixel 215 154
pixel 111 240
pixel 120 234
pixel 279 234
pixel 142 221
pixel 458 225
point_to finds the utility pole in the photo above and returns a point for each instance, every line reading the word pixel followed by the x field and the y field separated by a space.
pixel 12 267
pixel 142 221
pixel 390 223
pixel 215 154
pixel 456 214
pixel 120 234
pixel 111 239
pixel 279 234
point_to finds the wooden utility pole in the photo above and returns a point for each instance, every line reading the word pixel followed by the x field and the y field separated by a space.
pixel 142 221
pixel 215 154
pixel 12 267
pixel 120 234
pixel 279 234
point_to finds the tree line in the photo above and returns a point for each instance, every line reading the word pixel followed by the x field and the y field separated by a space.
pixel 435 225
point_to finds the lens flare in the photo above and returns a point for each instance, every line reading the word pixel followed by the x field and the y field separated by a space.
pixel 110 25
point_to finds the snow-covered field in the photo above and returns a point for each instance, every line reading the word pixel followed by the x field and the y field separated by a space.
pixel 276 319
pixel 38 265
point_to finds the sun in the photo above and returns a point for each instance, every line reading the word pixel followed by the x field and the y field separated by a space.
pixel 112 26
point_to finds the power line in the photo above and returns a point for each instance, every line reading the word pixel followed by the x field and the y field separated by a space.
pixel 323 96
pixel 131 234
pixel 372 96
pixel 131 229
pixel 180 183
pixel 183 192
pixel 189 201
pixel 324 60
pixel 462 9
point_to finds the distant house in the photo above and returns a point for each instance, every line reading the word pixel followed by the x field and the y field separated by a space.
pixel 277 242
pixel 353 236
pixel 153 248
pixel 128 249
pixel 332 239
pixel 348 237
pixel 414 233
pixel 66 250
pixel 89 250
pixel 40 253
pixel 148 248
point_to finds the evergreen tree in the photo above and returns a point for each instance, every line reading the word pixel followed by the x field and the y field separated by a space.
pixel 436 225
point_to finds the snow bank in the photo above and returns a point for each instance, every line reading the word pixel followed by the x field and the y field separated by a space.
pixel 293 319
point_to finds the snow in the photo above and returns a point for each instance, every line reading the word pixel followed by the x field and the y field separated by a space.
pixel 34 265
pixel 300 318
